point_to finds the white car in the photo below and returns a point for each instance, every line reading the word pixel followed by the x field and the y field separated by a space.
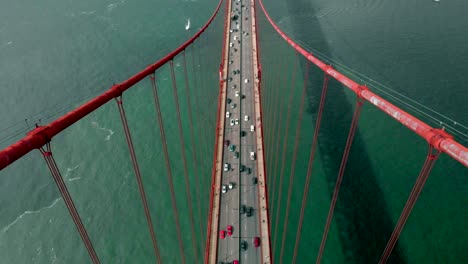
pixel 228 114
pixel 237 93
pixel 231 45
pixel 252 155
pixel 232 122
pixel 246 118
pixel 233 106
pixel 231 185
pixel 226 166
pixel 224 189
pixel 252 128
pixel 246 80
pixel 236 121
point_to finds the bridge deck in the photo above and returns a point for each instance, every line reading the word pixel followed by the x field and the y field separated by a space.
pixel 240 96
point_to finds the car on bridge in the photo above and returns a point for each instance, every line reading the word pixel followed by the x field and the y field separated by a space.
pixel 242 209
pixel 231 185
pixel 256 241
pixel 243 245
pixel 241 168
pixel 232 148
pixel 231 122
pixel 249 211
pixel 252 128
pixel 254 180
pixel 226 142
pixel 233 106
pixel 228 114
pixel 224 188
pixel 248 171
pixel 222 234
pixel 246 81
pixel 236 121
pixel 252 155
pixel 236 155
pixel 246 118
pixel 229 230
pixel 227 166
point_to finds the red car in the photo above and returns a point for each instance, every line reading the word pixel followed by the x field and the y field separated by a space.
pixel 256 241
pixel 222 234
pixel 229 230
pixel 235 262
pixel 226 143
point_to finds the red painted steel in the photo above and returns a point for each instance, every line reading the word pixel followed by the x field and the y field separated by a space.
pixel 215 152
pixel 41 135
pixel 441 141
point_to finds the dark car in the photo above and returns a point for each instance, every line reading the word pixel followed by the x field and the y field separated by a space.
pixel 232 148
pixel 249 211
pixel 226 143
pixel 249 170
pixel 242 209
pixel 254 180
pixel 242 168
pixel 243 245
pixel 229 100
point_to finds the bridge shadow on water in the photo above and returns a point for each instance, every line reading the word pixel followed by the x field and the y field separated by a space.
pixel 361 215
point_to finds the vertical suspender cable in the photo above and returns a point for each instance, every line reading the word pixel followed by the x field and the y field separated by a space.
pixel 313 149
pixel 195 48
pixel 194 153
pixel 293 170
pixel 276 138
pixel 344 160
pixel 283 158
pixel 54 170
pixel 415 192
pixel 269 122
pixel 136 168
pixel 168 166
pixel 184 159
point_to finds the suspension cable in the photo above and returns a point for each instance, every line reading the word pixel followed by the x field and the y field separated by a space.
pixel 184 159
pixel 54 170
pixel 168 165
pixel 431 158
pixel 285 144
pixel 275 156
pixel 344 160
pixel 194 153
pixel 136 169
pixel 273 121
pixel 196 79
pixel 293 169
pixel 313 149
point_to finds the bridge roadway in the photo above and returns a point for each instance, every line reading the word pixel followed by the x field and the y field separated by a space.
pixel 241 100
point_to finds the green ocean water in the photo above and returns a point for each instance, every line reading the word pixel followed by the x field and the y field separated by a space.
pixel 56 54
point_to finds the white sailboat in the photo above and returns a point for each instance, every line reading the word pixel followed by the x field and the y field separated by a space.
pixel 187 27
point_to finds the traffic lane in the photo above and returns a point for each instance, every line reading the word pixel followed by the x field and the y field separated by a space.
pixel 227 250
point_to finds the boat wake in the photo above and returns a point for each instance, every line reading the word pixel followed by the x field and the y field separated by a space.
pixel 69 171
pixel 187 26
pixel 109 131
pixel 26 213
